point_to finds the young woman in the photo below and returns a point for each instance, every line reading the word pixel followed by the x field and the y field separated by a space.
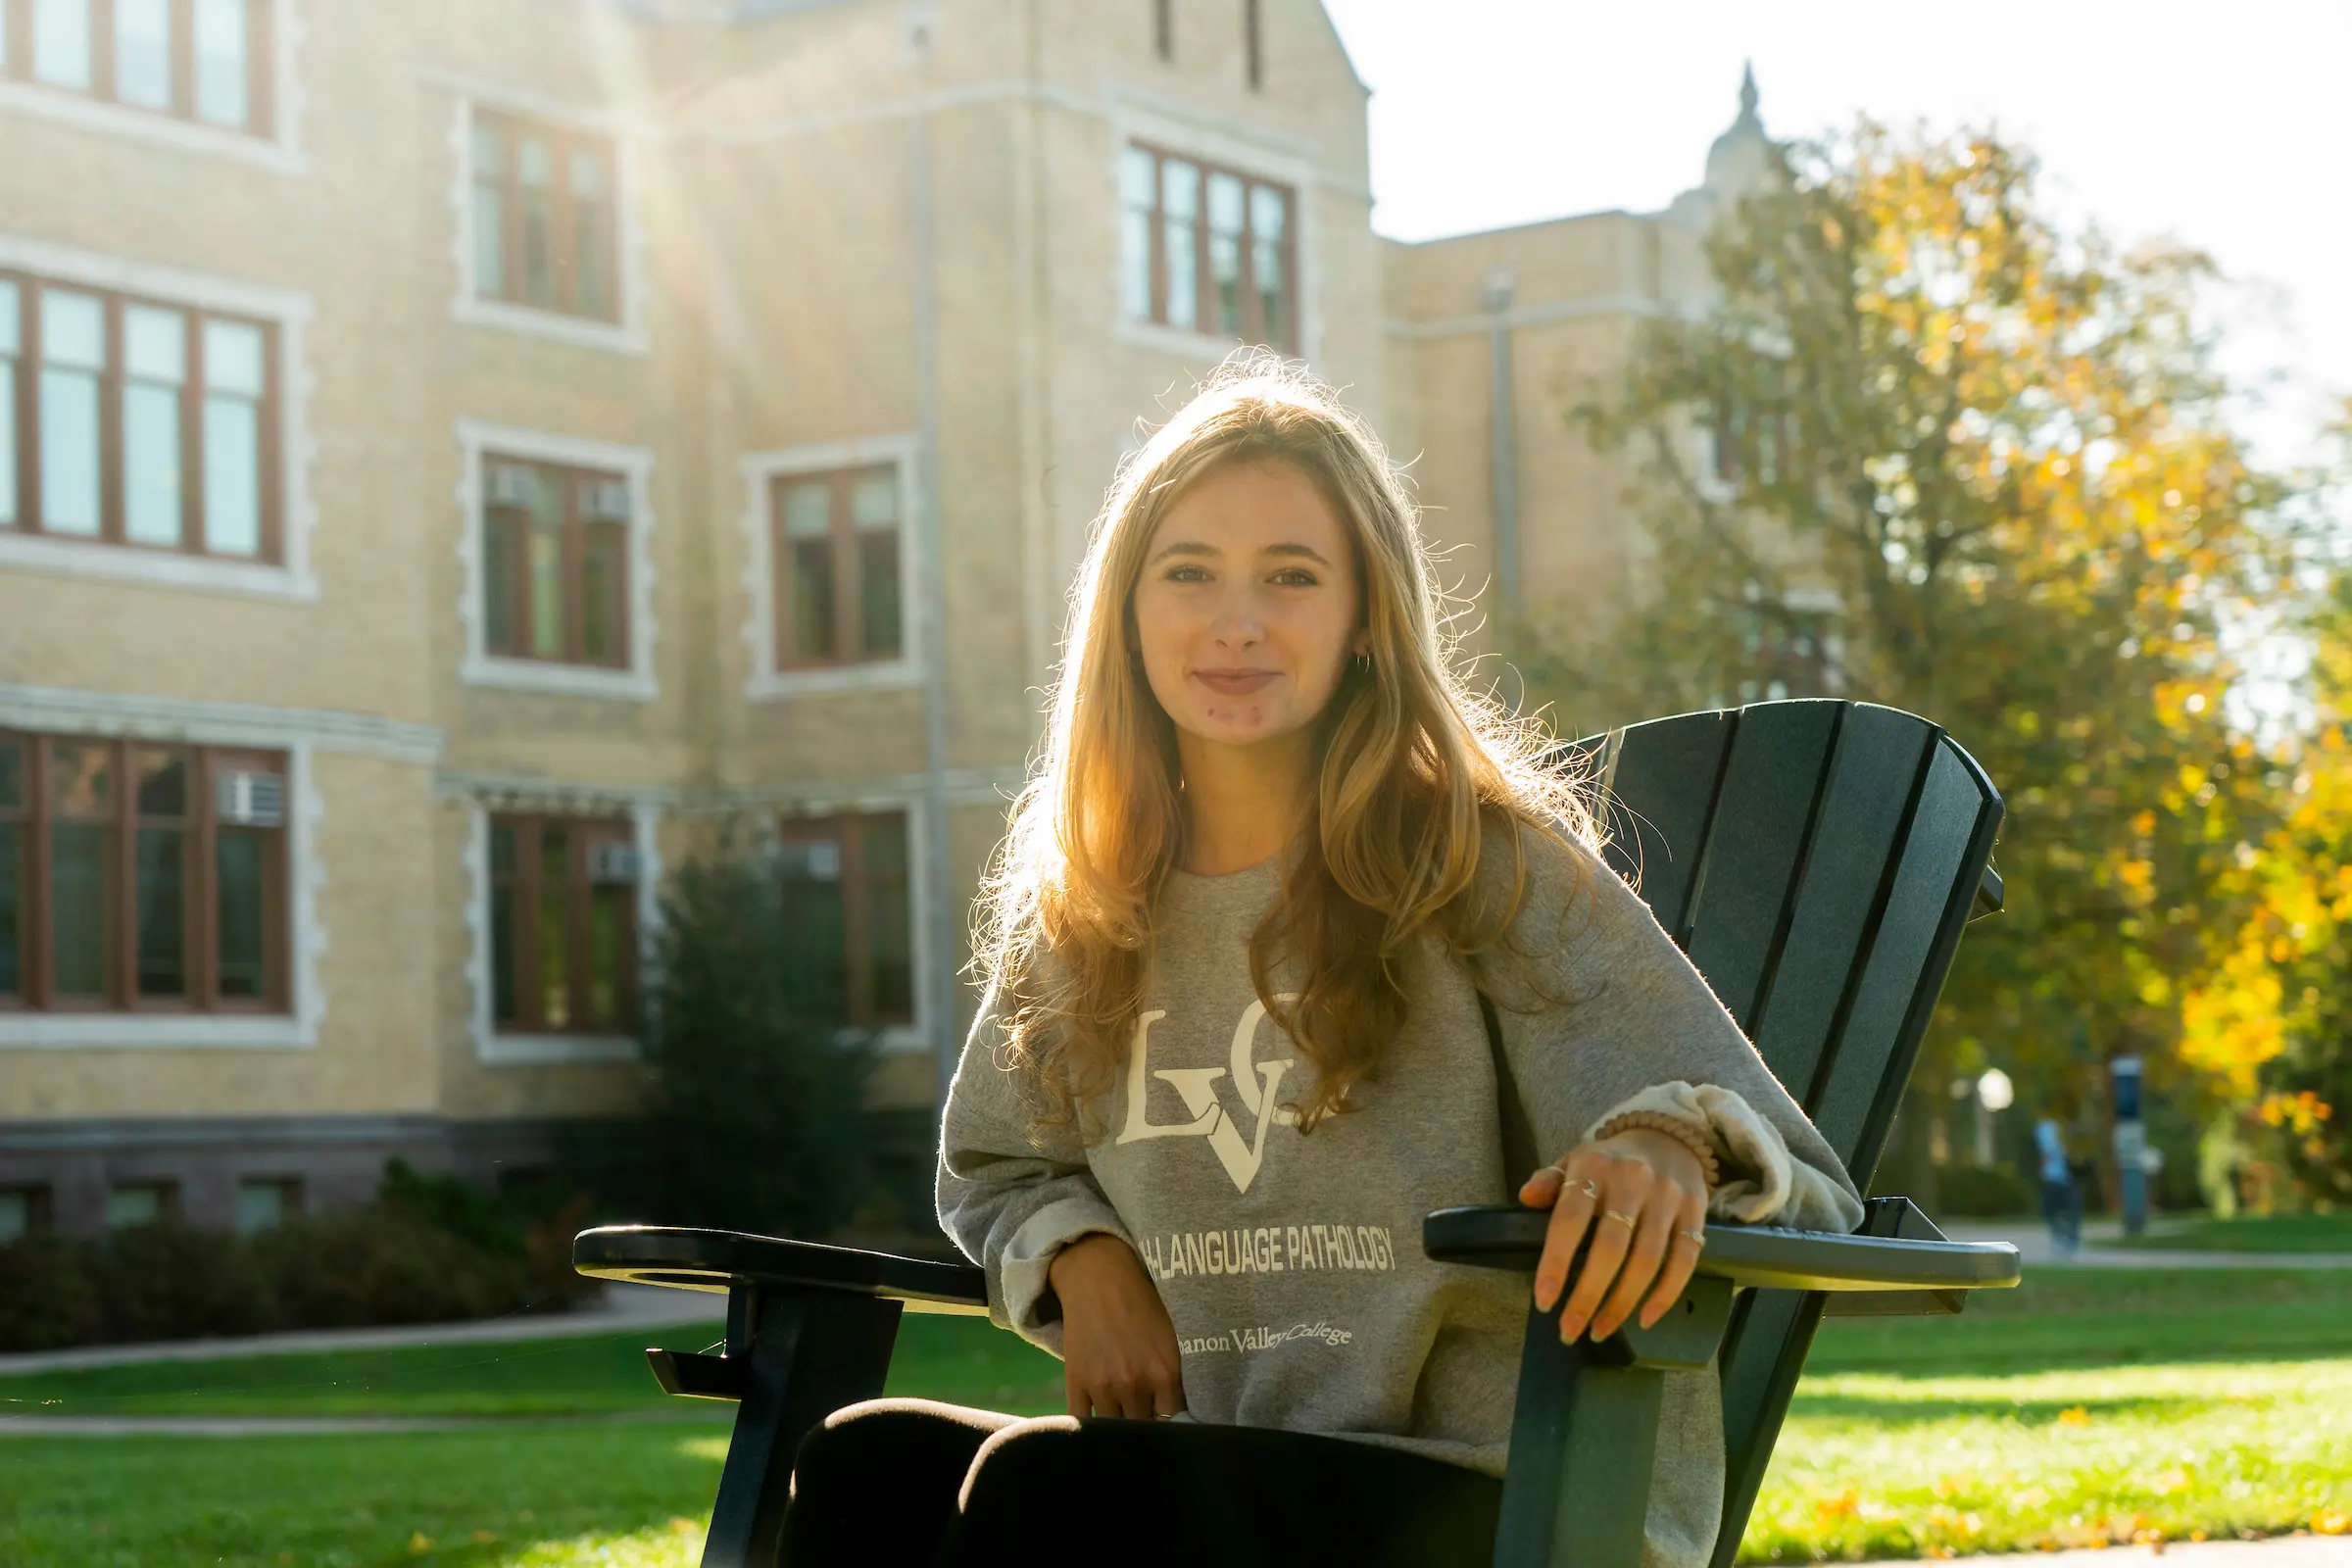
pixel 1279 897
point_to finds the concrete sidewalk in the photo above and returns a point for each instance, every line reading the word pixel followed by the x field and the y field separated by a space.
pixel 624 1306
pixel 2277 1551
pixel 2033 1247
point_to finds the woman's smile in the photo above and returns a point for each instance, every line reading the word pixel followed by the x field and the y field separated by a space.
pixel 1236 682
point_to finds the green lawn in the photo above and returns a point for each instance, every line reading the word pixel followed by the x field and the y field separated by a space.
pixel 939 1358
pixel 2086 1405
pixel 2273 1233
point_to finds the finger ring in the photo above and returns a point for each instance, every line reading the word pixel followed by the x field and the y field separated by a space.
pixel 1590 1187
pixel 1625 1220
pixel 1695 1238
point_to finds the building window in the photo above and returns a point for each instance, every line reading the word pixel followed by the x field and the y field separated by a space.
pixel 23 1211
pixel 563 924
pixel 848 891
pixel 1209 250
pixel 1163 28
pixel 838 589
pixel 545 220
pixel 134 423
pixel 1753 445
pixel 555 563
pixel 196 59
pixel 130 1204
pixel 266 1202
pixel 138 878
pixel 1788 653
pixel 1254 44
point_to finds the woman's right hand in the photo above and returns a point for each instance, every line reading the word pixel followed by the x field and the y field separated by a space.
pixel 1118 1348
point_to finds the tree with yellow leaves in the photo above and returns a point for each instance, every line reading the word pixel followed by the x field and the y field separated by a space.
pixel 2272 1023
pixel 1931 448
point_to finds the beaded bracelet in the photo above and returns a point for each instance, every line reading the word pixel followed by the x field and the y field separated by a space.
pixel 1699 1142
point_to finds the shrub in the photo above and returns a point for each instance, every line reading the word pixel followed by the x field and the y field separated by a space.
pixel 1984 1191
pixel 164 1282
pixel 46 1298
pixel 757 1118
pixel 387 1265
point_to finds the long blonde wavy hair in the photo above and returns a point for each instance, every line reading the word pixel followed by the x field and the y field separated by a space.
pixel 1416 771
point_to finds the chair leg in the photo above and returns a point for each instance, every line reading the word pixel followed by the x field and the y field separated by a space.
pixel 1584 1434
pixel 807 1353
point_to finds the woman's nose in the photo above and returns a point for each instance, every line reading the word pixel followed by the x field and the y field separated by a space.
pixel 1240 620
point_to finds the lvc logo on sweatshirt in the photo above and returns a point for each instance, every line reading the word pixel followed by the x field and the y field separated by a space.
pixel 1256 1082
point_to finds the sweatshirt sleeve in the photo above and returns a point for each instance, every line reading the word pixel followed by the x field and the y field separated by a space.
pixel 1600 1012
pixel 1008 1202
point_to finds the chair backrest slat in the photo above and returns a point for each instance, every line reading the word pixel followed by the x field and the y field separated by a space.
pixel 1859 826
pixel 1862 1082
pixel 1671 768
pixel 1755 847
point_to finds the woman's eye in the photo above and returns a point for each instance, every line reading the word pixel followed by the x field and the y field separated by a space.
pixel 1187 574
pixel 1294 578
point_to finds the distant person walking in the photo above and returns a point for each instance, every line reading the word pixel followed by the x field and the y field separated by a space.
pixel 2061 1199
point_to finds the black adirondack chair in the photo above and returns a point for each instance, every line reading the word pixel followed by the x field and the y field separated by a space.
pixel 1818 860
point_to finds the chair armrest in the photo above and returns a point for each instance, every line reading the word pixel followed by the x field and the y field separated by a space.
pixel 1510 1237
pixel 716 1260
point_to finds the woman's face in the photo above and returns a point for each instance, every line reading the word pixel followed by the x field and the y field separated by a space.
pixel 1249 605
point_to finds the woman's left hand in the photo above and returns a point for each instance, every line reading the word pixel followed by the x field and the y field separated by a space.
pixel 1644 1197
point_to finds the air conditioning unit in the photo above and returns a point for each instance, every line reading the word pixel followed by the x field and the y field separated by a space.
pixel 813 859
pixel 512 485
pixel 606 500
pixel 251 800
pixel 614 862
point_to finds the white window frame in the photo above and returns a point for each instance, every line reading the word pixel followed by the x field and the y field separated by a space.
pixel 289 312
pixel 625 337
pixel 476 441
pixel 280 151
pixel 1280 161
pixel 496 1049
pixel 912 1039
pixel 761 470
pixel 66 714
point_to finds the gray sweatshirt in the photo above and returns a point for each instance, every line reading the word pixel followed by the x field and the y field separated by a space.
pixel 1292 1265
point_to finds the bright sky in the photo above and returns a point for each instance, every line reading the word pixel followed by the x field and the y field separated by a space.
pixel 2223 125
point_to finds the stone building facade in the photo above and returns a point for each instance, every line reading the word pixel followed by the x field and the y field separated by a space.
pixel 456 454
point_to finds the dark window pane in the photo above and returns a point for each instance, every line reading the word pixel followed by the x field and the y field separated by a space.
pixel 241 860
pixel 498 583
pixel 12 775
pixel 816 923
pixel 79 908
pixel 878 621
pixel 813 623
pixel 162 894
pixel 601 594
pixel 608 957
pixel 81 780
pixel 12 909
pixel 503 956
pixel 163 783
pixel 555 928
pixel 889 926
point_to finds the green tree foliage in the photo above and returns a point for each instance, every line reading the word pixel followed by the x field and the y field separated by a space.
pixel 756 1121
pixel 1933 449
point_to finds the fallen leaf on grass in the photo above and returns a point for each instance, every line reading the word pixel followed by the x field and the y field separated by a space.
pixel 2331 1522
pixel 419 1544
pixel 2074 1416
